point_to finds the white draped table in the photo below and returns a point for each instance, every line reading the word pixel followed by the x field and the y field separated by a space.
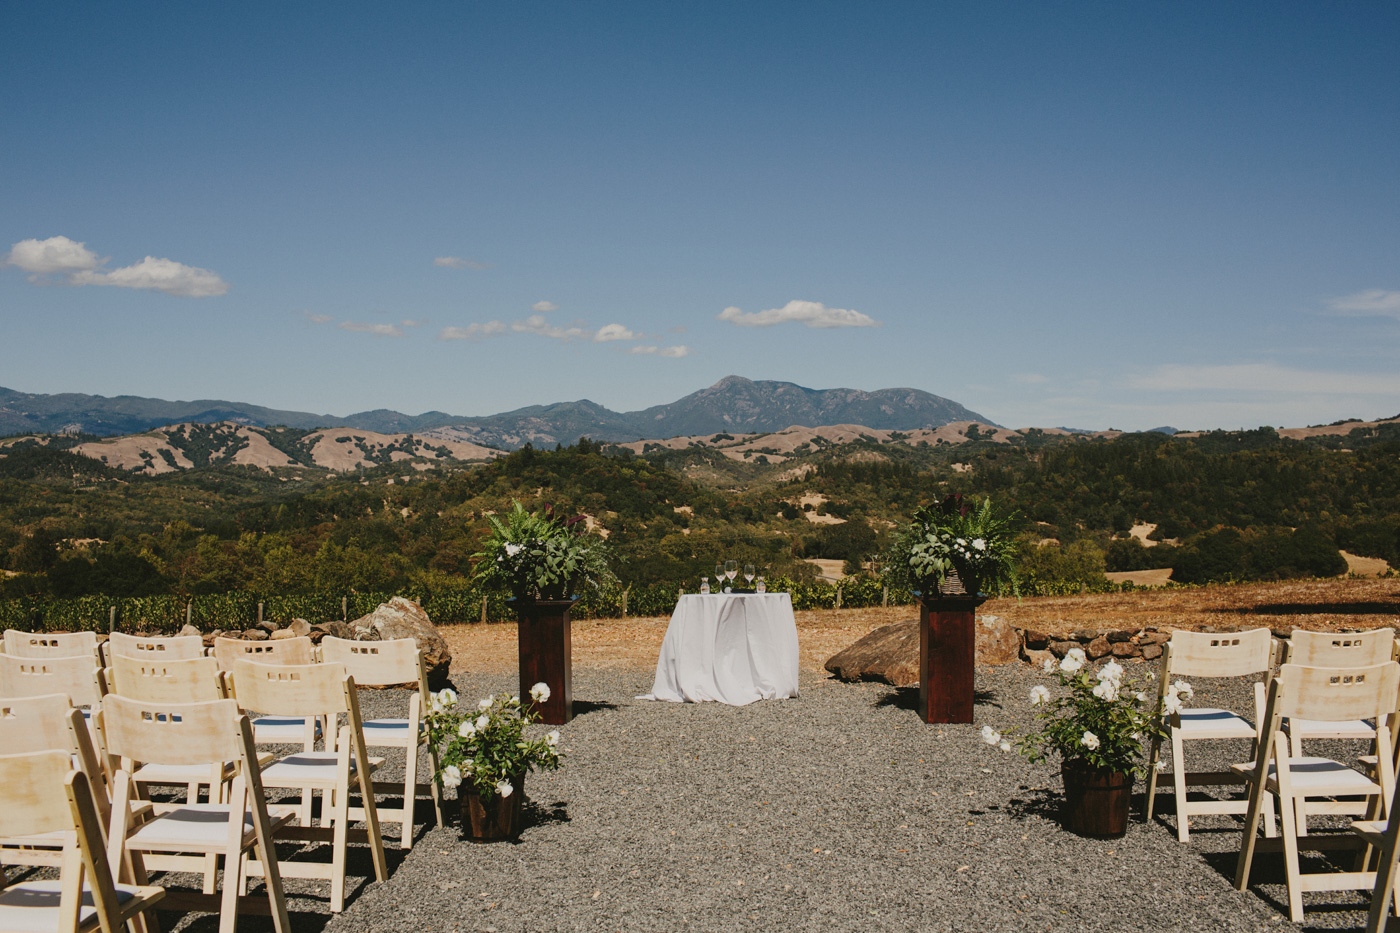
pixel 730 648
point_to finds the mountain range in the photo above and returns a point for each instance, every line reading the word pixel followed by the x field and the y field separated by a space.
pixel 734 404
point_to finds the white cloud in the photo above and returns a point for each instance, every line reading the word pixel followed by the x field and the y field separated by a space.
pixel 809 313
pixel 1376 301
pixel 615 332
pixel 674 352
pixel 473 331
pixel 80 266
pixel 57 254
pixel 457 262
pixel 544 306
pixel 1030 379
pixel 536 324
pixel 379 330
pixel 319 318
pixel 1264 377
pixel 411 323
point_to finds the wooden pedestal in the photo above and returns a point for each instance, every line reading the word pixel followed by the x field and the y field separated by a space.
pixel 547 656
pixel 947 653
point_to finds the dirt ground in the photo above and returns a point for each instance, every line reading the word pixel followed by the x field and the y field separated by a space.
pixel 1313 604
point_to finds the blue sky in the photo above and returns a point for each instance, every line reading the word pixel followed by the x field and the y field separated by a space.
pixel 1079 214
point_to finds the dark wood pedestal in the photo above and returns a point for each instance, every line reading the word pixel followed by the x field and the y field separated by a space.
pixel 947 654
pixel 547 656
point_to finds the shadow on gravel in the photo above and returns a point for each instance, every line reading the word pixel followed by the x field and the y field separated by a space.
pixel 907 698
pixel 542 814
pixel 584 707
pixel 1037 802
pixel 1308 609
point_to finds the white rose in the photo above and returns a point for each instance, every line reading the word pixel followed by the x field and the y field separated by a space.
pixel 990 735
pixel 466 730
pixel 552 738
pixel 540 692
pixel 447 696
pixel 1006 746
pixel 451 776
pixel 1039 695
pixel 483 721
pixel 1182 689
pixel 1106 690
pixel 979 544
pixel 1072 662
pixel 1111 671
pixel 504 789
pixel 1171 704
pixel 513 549
pixel 1089 740
pixel 486 703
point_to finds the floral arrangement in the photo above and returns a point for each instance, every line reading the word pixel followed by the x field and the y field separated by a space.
pixel 1102 720
pixel 954 535
pixel 539 556
pixel 485 746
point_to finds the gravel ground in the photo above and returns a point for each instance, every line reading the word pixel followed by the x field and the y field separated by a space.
pixel 837 810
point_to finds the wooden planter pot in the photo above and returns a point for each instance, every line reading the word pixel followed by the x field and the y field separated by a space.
pixel 546 655
pixel 1096 800
pixel 493 818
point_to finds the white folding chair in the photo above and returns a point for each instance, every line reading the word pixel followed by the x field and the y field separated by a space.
pixel 398 662
pixel 1203 654
pixel 1326 695
pixel 167 647
pixel 182 836
pixel 77 677
pixel 318 690
pixel 41 793
pixel 1325 649
pixel 50 644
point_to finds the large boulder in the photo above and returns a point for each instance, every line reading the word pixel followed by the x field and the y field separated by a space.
pixel 403 618
pixel 890 653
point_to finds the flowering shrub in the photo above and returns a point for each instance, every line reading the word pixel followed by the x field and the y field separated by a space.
pixel 541 556
pixel 1102 720
pixel 484 746
pixel 953 535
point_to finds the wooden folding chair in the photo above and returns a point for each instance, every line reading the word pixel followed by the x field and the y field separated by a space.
pixel 182 836
pixel 41 793
pixel 1202 654
pixel 77 677
pixel 48 723
pixel 1324 649
pixel 318 690
pixel 1326 695
pixel 1382 835
pixel 398 662
pixel 50 644
pixel 165 647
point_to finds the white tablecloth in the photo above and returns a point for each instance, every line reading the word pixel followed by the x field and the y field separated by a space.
pixel 731 649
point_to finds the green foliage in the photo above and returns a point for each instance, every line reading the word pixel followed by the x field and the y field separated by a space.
pixel 484 746
pixel 541 556
pixel 953 535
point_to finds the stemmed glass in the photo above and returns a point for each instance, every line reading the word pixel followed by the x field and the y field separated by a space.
pixel 748 574
pixel 731 569
pixel 719 575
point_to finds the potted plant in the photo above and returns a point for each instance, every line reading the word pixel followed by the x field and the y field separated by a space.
pixel 544 562
pixel 485 754
pixel 1097 727
pixel 946 554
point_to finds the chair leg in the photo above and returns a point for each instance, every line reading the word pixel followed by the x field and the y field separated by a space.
pixel 1288 818
pixel 1152 758
pixel 410 790
pixel 1183 823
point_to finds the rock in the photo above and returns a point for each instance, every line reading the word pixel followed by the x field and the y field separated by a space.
pixel 1151 652
pixel 403 618
pixel 334 628
pixel 1155 638
pixel 1084 635
pixel 997 641
pixel 255 634
pixel 269 626
pixel 282 634
pixel 210 636
pixel 887 655
pixel 1097 648
pixel 1126 649
pixel 1036 641
pixel 299 628
pixel 1119 636
pixel 1038 656
pixel 1062 648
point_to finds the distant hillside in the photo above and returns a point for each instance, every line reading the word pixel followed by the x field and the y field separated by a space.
pixel 732 404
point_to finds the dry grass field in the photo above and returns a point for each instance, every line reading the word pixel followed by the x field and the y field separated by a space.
pixel 1343 604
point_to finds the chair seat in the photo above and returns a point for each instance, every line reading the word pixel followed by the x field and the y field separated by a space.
pixel 191 827
pixel 1316 777
pixel 387 731
pixel 306 768
pixel 178 774
pixel 1321 729
pixel 32 906
pixel 290 729
pixel 1207 723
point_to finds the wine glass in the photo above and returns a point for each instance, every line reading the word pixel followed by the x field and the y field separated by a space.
pixel 748 574
pixel 731 569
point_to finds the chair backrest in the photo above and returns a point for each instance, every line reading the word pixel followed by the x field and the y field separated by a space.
pixel 1327 649
pixel 291 689
pixel 172 733
pixel 50 644
pixel 273 651
pixel 378 663
pixel 168 648
pixel 160 679
pixel 1336 694
pixel 49 723
pixel 1219 654
pixel 78 678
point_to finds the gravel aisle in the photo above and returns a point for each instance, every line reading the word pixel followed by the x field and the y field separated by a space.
pixel 839 810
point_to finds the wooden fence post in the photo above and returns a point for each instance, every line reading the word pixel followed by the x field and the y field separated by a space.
pixel 189 612
pixel 112 620
pixel 344 609
pixel 260 611
pixel 838 596
pixel 885 597
pixel 624 601
pixel 483 609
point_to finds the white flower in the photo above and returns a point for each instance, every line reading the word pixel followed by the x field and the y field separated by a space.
pixel 504 789
pixel 486 703
pixel 1171 704
pixel 1089 740
pixel 990 735
pixel 513 549
pixel 446 697
pixel 979 544
pixel 1073 661
pixel 483 721
pixel 1039 695
pixel 1141 696
pixel 1111 671
pixel 515 701
pixel 1106 690
pixel 962 543
pixel 1006 746
pixel 552 737
pixel 540 692
pixel 466 730
pixel 1182 689
pixel 1161 767
pixel 1048 666
pixel 451 776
